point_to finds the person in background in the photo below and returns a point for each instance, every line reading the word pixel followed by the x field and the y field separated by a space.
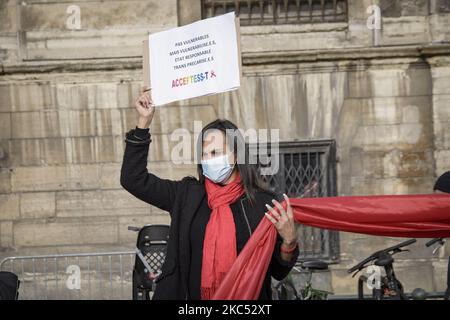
pixel 442 185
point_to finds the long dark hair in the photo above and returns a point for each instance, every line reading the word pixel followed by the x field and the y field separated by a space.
pixel 251 179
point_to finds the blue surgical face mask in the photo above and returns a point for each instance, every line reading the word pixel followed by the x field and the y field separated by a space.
pixel 217 169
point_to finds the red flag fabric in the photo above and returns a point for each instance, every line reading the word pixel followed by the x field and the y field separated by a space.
pixel 417 216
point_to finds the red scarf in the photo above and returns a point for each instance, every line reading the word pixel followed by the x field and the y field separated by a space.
pixel 420 216
pixel 219 245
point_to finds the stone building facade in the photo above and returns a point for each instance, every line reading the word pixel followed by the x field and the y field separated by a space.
pixel 67 95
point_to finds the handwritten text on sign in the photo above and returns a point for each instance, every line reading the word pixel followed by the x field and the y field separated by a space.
pixel 194 60
pixel 190 53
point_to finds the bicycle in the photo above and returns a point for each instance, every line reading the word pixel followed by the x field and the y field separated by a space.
pixel 285 289
pixel 389 287
pixel 419 293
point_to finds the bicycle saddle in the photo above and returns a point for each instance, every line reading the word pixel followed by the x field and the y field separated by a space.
pixel 384 261
pixel 315 265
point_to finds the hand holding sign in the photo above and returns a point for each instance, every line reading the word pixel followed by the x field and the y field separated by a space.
pixel 145 108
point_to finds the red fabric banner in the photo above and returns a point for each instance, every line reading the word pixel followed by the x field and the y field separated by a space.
pixel 416 216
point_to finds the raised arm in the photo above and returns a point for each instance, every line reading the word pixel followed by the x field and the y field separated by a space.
pixel 134 176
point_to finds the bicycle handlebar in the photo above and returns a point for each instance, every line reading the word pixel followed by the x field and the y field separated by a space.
pixel 136 229
pixel 433 241
pixel 377 254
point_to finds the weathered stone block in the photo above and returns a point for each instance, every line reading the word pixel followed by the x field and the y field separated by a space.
pixel 117 33
pixel 35 124
pixel 90 149
pixel 383 82
pixel 442 160
pixel 110 176
pixel 33 96
pixel 77 123
pixel 109 122
pixel 5 125
pixel 405 136
pixel 72 96
pixel 127 93
pixel 5 98
pixel 265 40
pixel 439 30
pixel 442 134
pixel 441 107
pixel 405 30
pixel 5 180
pixel 104 96
pixel 25 152
pixel 72 231
pixel 441 79
pixel 363 186
pixel 9 206
pixel 8 14
pixel 395 110
pixel 73 177
pixel 37 152
pixel 37 205
pixel 99 203
pixel 440 274
pixel 6 234
pixel 170 118
pixel 392 164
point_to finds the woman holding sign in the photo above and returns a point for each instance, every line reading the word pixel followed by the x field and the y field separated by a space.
pixel 212 216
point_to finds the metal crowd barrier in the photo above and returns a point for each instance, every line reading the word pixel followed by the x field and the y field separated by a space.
pixel 86 276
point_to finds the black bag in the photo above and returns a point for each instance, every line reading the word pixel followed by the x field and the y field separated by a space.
pixel 9 286
pixel 152 246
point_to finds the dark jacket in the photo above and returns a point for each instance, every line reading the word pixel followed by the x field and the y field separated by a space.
pixel 182 199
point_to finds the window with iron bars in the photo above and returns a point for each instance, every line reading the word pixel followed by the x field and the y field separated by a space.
pixel 443 6
pixel 269 12
pixel 305 169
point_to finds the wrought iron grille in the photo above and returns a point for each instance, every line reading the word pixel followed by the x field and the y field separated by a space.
pixel 263 12
pixel 443 6
pixel 306 169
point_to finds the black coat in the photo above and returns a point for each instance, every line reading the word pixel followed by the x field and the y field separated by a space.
pixel 182 199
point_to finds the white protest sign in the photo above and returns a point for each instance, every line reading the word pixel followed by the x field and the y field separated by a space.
pixel 194 60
